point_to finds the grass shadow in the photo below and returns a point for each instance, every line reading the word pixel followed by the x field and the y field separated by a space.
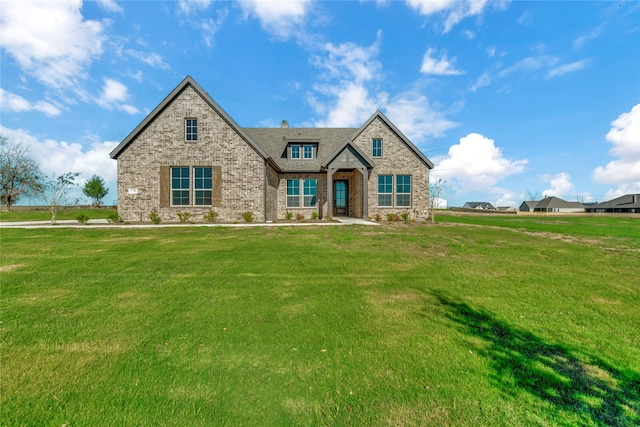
pixel 594 390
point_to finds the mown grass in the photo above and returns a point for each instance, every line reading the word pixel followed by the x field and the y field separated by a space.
pixel 429 325
pixel 42 214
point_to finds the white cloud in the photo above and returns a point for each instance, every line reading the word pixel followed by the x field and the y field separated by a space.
pixel 525 19
pixel 413 115
pixel 280 18
pixel 190 7
pixel 457 10
pixel 581 41
pixel 50 40
pixel 57 157
pixel 114 94
pixel 10 102
pixel 531 63
pixel 491 51
pixel 468 34
pixel 438 66
pixel 568 68
pixel 625 170
pixel 483 80
pixel 348 95
pixel 476 164
pixel 210 26
pixel 561 185
pixel 150 58
pixel 110 6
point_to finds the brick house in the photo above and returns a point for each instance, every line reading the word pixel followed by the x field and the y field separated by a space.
pixel 189 155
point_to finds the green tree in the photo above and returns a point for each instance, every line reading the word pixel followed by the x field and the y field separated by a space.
pixel 19 173
pixel 56 191
pixel 96 189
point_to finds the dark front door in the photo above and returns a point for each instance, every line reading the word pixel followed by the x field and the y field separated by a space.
pixel 340 198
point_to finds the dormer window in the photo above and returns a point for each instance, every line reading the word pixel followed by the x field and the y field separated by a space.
pixel 302 151
pixel 308 151
pixel 295 151
pixel 191 129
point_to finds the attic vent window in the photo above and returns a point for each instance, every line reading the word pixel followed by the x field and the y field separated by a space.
pixel 191 129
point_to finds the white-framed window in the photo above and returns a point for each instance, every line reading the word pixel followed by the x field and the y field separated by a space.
pixel 398 195
pixel 184 185
pixel 385 190
pixel 307 198
pixel 191 129
pixel 376 147
pixel 301 151
pixel 309 193
pixel 293 193
pixel 203 186
pixel 307 151
pixel 180 186
pixel 403 190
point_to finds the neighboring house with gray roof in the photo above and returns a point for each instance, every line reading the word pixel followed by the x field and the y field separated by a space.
pixel 555 204
pixel 479 205
pixel 629 203
pixel 189 155
pixel 528 206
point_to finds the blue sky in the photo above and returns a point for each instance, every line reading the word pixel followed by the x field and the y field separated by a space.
pixel 507 98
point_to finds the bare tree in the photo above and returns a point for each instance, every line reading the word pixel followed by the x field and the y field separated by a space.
pixel 436 190
pixel 533 195
pixel 57 190
pixel 19 174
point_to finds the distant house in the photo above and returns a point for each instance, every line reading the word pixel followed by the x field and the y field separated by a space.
pixel 438 202
pixel 629 203
pixel 555 204
pixel 528 206
pixel 479 205
pixel 506 209
pixel 189 155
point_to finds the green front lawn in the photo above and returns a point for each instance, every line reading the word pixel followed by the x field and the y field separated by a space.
pixel 42 214
pixel 349 325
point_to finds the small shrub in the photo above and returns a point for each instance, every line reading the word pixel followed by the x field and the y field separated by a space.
pixel 392 217
pixel 113 217
pixel 211 216
pixel 314 215
pixel 184 216
pixel 288 215
pixel 378 217
pixel 154 216
pixel 82 218
pixel 247 216
pixel 299 216
pixel 405 216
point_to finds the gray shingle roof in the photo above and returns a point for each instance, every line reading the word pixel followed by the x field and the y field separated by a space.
pixel 627 201
pixel 555 202
pixel 275 140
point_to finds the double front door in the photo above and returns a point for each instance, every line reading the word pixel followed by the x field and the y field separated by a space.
pixel 341 198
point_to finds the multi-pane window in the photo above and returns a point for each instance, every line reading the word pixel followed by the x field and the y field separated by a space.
pixel 385 190
pixel 191 129
pixel 376 147
pixel 403 190
pixel 309 193
pixel 308 151
pixel 293 193
pixel 295 151
pixel 202 184
pixel 180 186
pixel 402 193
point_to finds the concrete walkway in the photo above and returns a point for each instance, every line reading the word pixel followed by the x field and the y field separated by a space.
pixel 103 223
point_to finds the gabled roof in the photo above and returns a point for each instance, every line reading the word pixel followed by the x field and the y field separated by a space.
pixel 275 141
pixel 188 81
pixel 480 205
pixel 378 115
pixel 627 201
pixel 531 204
pixel 344 146
pixel 555 202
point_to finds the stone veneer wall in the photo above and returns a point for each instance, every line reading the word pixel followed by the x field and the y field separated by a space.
pixel 321 195
pixel 397 159
pixel 163 143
